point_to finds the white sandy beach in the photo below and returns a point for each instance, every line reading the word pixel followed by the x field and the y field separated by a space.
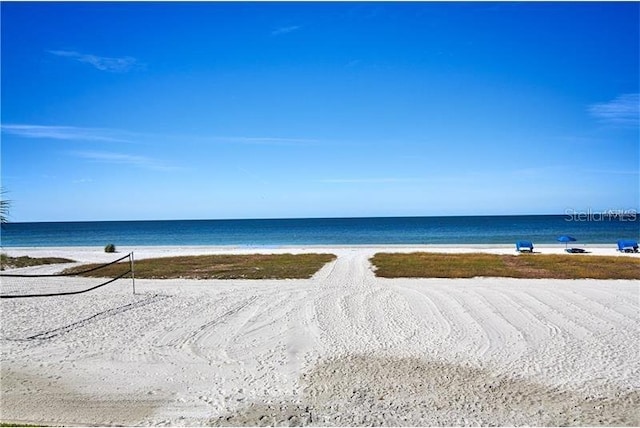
pixel 343 348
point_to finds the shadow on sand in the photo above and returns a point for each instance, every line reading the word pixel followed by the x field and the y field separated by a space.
pixel 388 391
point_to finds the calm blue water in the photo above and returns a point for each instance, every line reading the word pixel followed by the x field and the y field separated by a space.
pixel 334 231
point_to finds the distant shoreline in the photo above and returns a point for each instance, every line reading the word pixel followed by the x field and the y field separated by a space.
pixel 275 246
pixel 96 254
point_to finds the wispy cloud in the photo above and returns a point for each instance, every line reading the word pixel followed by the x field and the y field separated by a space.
pixel 614 172
pixel 68 133
pixel 82 181
pixel 285 30
pixel 137 161
pixel 76 133
pixel 367 180
pixel 262 140
pixel 624 110
pixel 113 65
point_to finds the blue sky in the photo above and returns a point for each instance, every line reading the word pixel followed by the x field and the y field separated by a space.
pixel 122 111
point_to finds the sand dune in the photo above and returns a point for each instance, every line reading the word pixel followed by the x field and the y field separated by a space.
pixel 342 348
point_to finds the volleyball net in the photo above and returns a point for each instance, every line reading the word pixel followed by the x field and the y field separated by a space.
pixel 71 281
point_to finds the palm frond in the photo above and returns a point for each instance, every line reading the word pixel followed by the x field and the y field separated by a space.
pixel 5 204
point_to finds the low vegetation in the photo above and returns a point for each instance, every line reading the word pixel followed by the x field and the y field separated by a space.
pixel 109 248
pixel 237 266
pixel 558 266
pixel 11 424
pixel 7 262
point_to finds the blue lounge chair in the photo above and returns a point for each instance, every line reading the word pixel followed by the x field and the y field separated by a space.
pixel 524 246
pixel 627 246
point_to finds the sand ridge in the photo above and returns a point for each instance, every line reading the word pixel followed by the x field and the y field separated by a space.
pixel 342 348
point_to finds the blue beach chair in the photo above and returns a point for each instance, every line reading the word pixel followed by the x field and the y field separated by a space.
pixel 524 246
pixel 627 246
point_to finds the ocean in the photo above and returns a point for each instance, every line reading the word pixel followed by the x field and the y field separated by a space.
pixel 541 229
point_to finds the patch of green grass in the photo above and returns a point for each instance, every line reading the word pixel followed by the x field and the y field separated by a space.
pixel 418 265
pixel 437 265
pixel 9 424
pixel 580 266
pixel 233 266
pixel 7 262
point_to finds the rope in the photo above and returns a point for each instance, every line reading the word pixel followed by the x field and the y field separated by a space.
pixel 65 274
pixel 67 293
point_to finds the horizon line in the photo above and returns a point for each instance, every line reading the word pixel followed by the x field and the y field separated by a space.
pixel 629 212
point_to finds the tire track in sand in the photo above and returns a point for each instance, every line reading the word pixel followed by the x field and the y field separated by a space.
pixel 191 340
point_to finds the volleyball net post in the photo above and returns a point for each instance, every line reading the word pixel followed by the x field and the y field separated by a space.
pixel 133 274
